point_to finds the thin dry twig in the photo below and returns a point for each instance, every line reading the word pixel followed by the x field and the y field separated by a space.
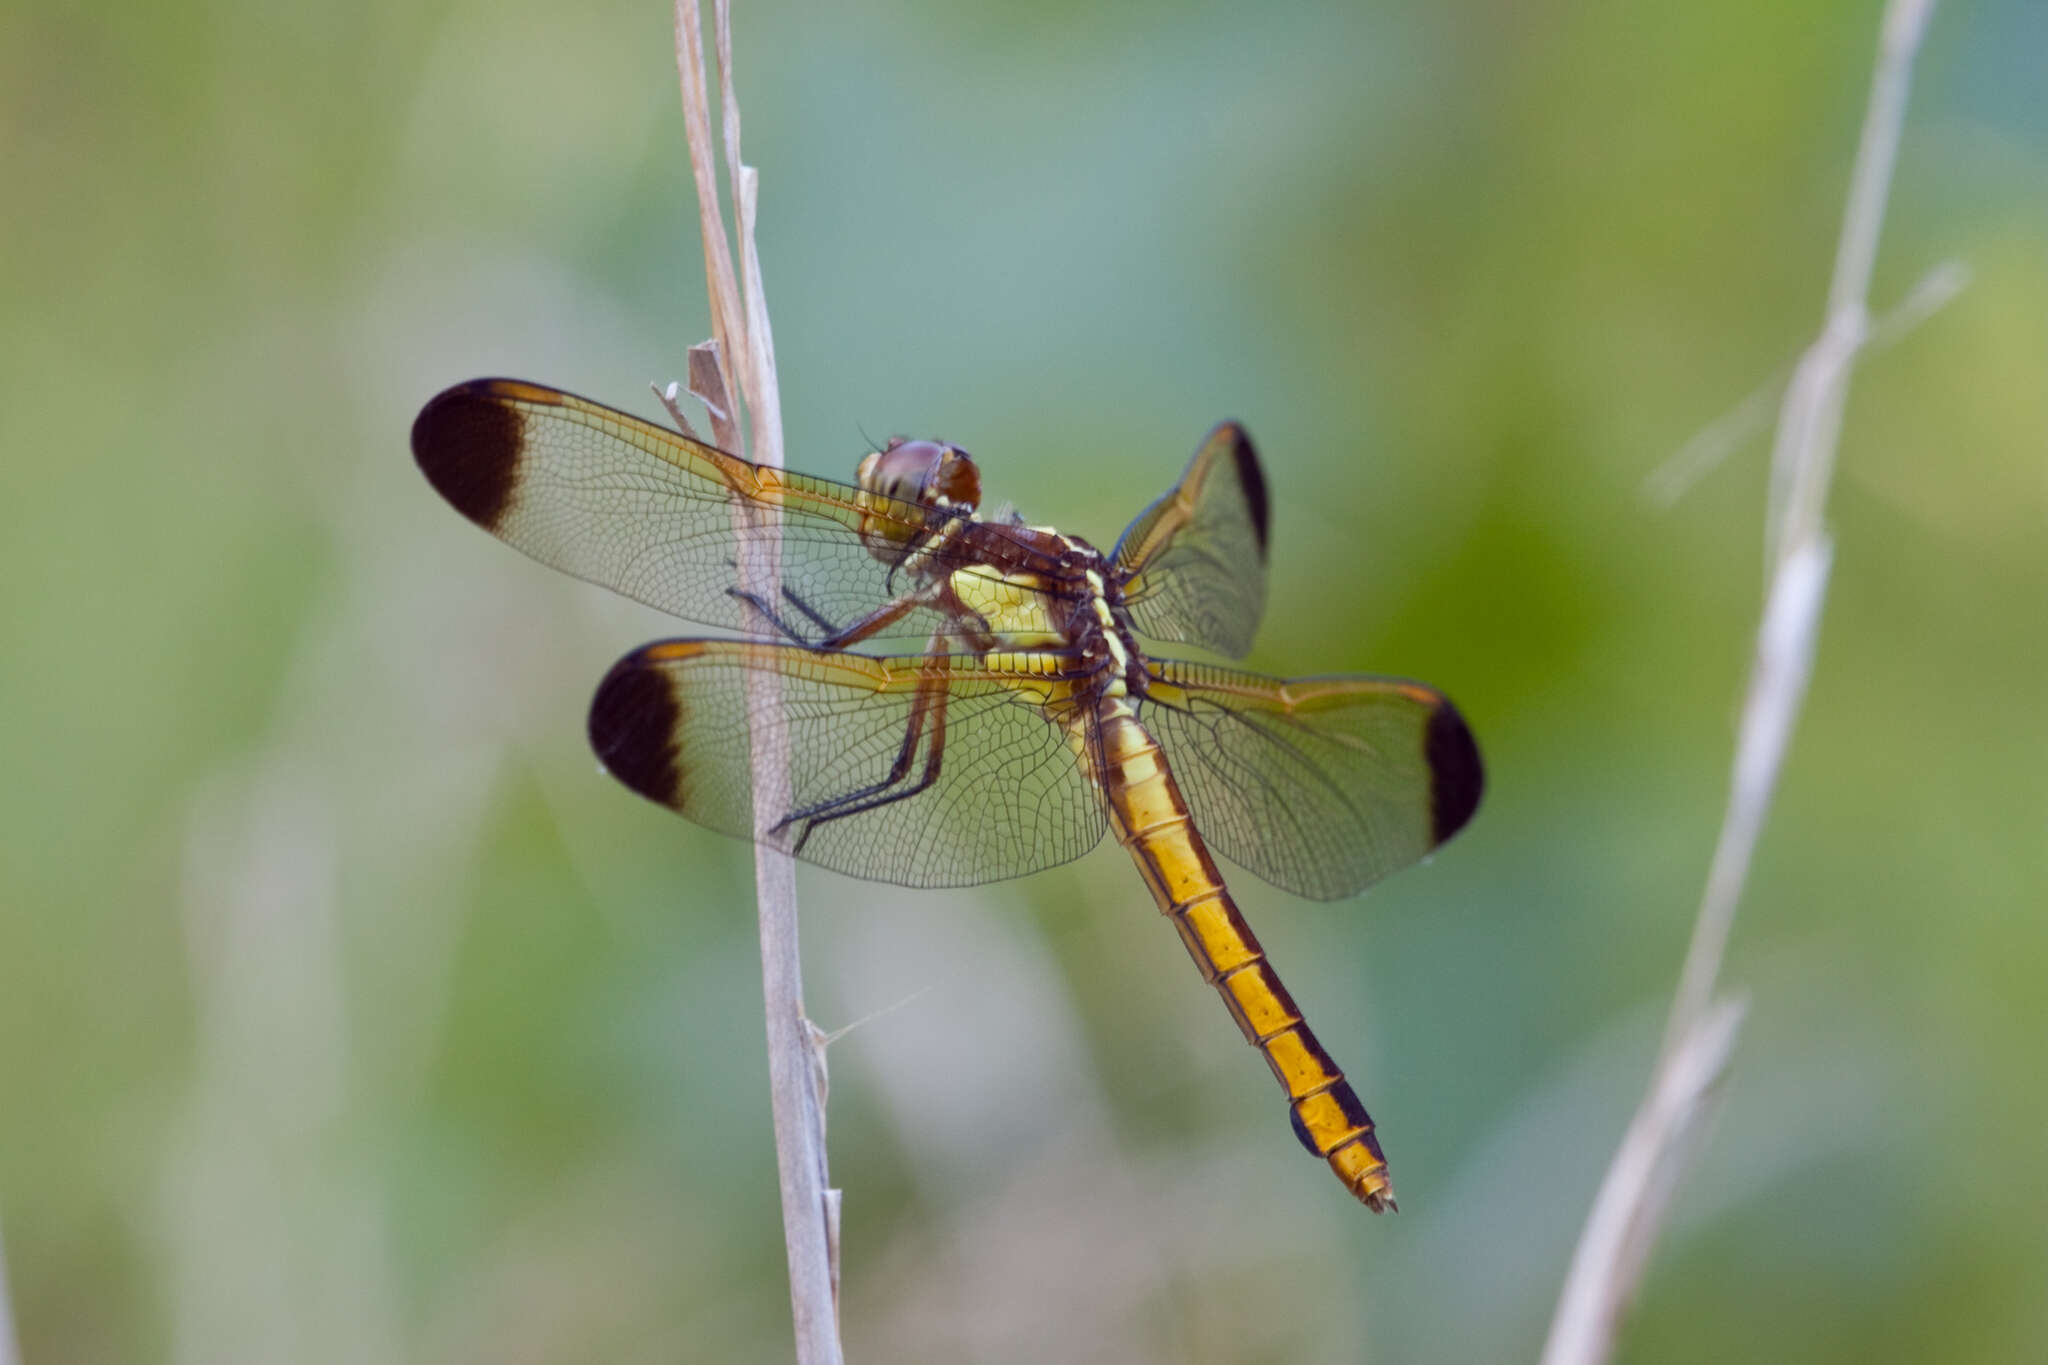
pixel 671 396
pixel 1628 1211
pixel 10 1349
pixel 1714 443
pixel 764 393
pixel 720 284
pixel 745 351
pixel 708 386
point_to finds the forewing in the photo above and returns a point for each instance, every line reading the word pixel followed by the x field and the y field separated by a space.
pixel 670 721
pixel 651 513
pixel 1321 786
pixel 1194 562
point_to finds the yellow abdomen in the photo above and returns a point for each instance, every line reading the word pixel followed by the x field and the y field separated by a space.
pixel 1151 819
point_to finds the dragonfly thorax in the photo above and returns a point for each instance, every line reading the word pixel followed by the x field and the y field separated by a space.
pixel 1030 588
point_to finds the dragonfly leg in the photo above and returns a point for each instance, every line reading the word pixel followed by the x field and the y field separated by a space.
pixel 834 636
pixel 816 617
pixel 888 614
pixel 928 711
pixel 773 618
pixel 885 798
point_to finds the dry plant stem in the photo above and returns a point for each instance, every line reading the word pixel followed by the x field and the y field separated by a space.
pixel 1719 439
pixel 671 397
pixel 1629 1208
pixel 745 351
pixel 1640 1181
pixel 763 392
pixel 1802 463
pixel 10 1349
pixel 707 386
pixel 719 283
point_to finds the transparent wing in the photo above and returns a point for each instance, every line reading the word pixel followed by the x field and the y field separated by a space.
pixel 1006 796
pixel 1194 562
pixel 1321 786
pixel 651 513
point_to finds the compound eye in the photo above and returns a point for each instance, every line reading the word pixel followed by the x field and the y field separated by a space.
pixel 957 480
pixel 924 472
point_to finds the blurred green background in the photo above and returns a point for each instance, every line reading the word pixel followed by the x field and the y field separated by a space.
pixel 347 1013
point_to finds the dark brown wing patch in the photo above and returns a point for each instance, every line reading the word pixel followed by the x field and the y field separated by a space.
pixel 634 719
pixel 1253 480
pixel 1457 778
pixel 468 442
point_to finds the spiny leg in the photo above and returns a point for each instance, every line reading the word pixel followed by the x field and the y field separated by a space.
pixel 882 617
pixel 854 802
pixel 835 637
pixel 898 770
pixel 773 618
pixel 816 617
pixel 928 705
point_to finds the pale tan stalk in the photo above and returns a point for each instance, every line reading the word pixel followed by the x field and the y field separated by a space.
pixel 747 400
pixel 10 1351
pixel 1666 1129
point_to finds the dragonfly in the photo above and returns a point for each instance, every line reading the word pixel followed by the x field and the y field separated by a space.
pixel 1024 718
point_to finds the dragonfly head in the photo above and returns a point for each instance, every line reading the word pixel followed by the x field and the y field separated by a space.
pixel 926 472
